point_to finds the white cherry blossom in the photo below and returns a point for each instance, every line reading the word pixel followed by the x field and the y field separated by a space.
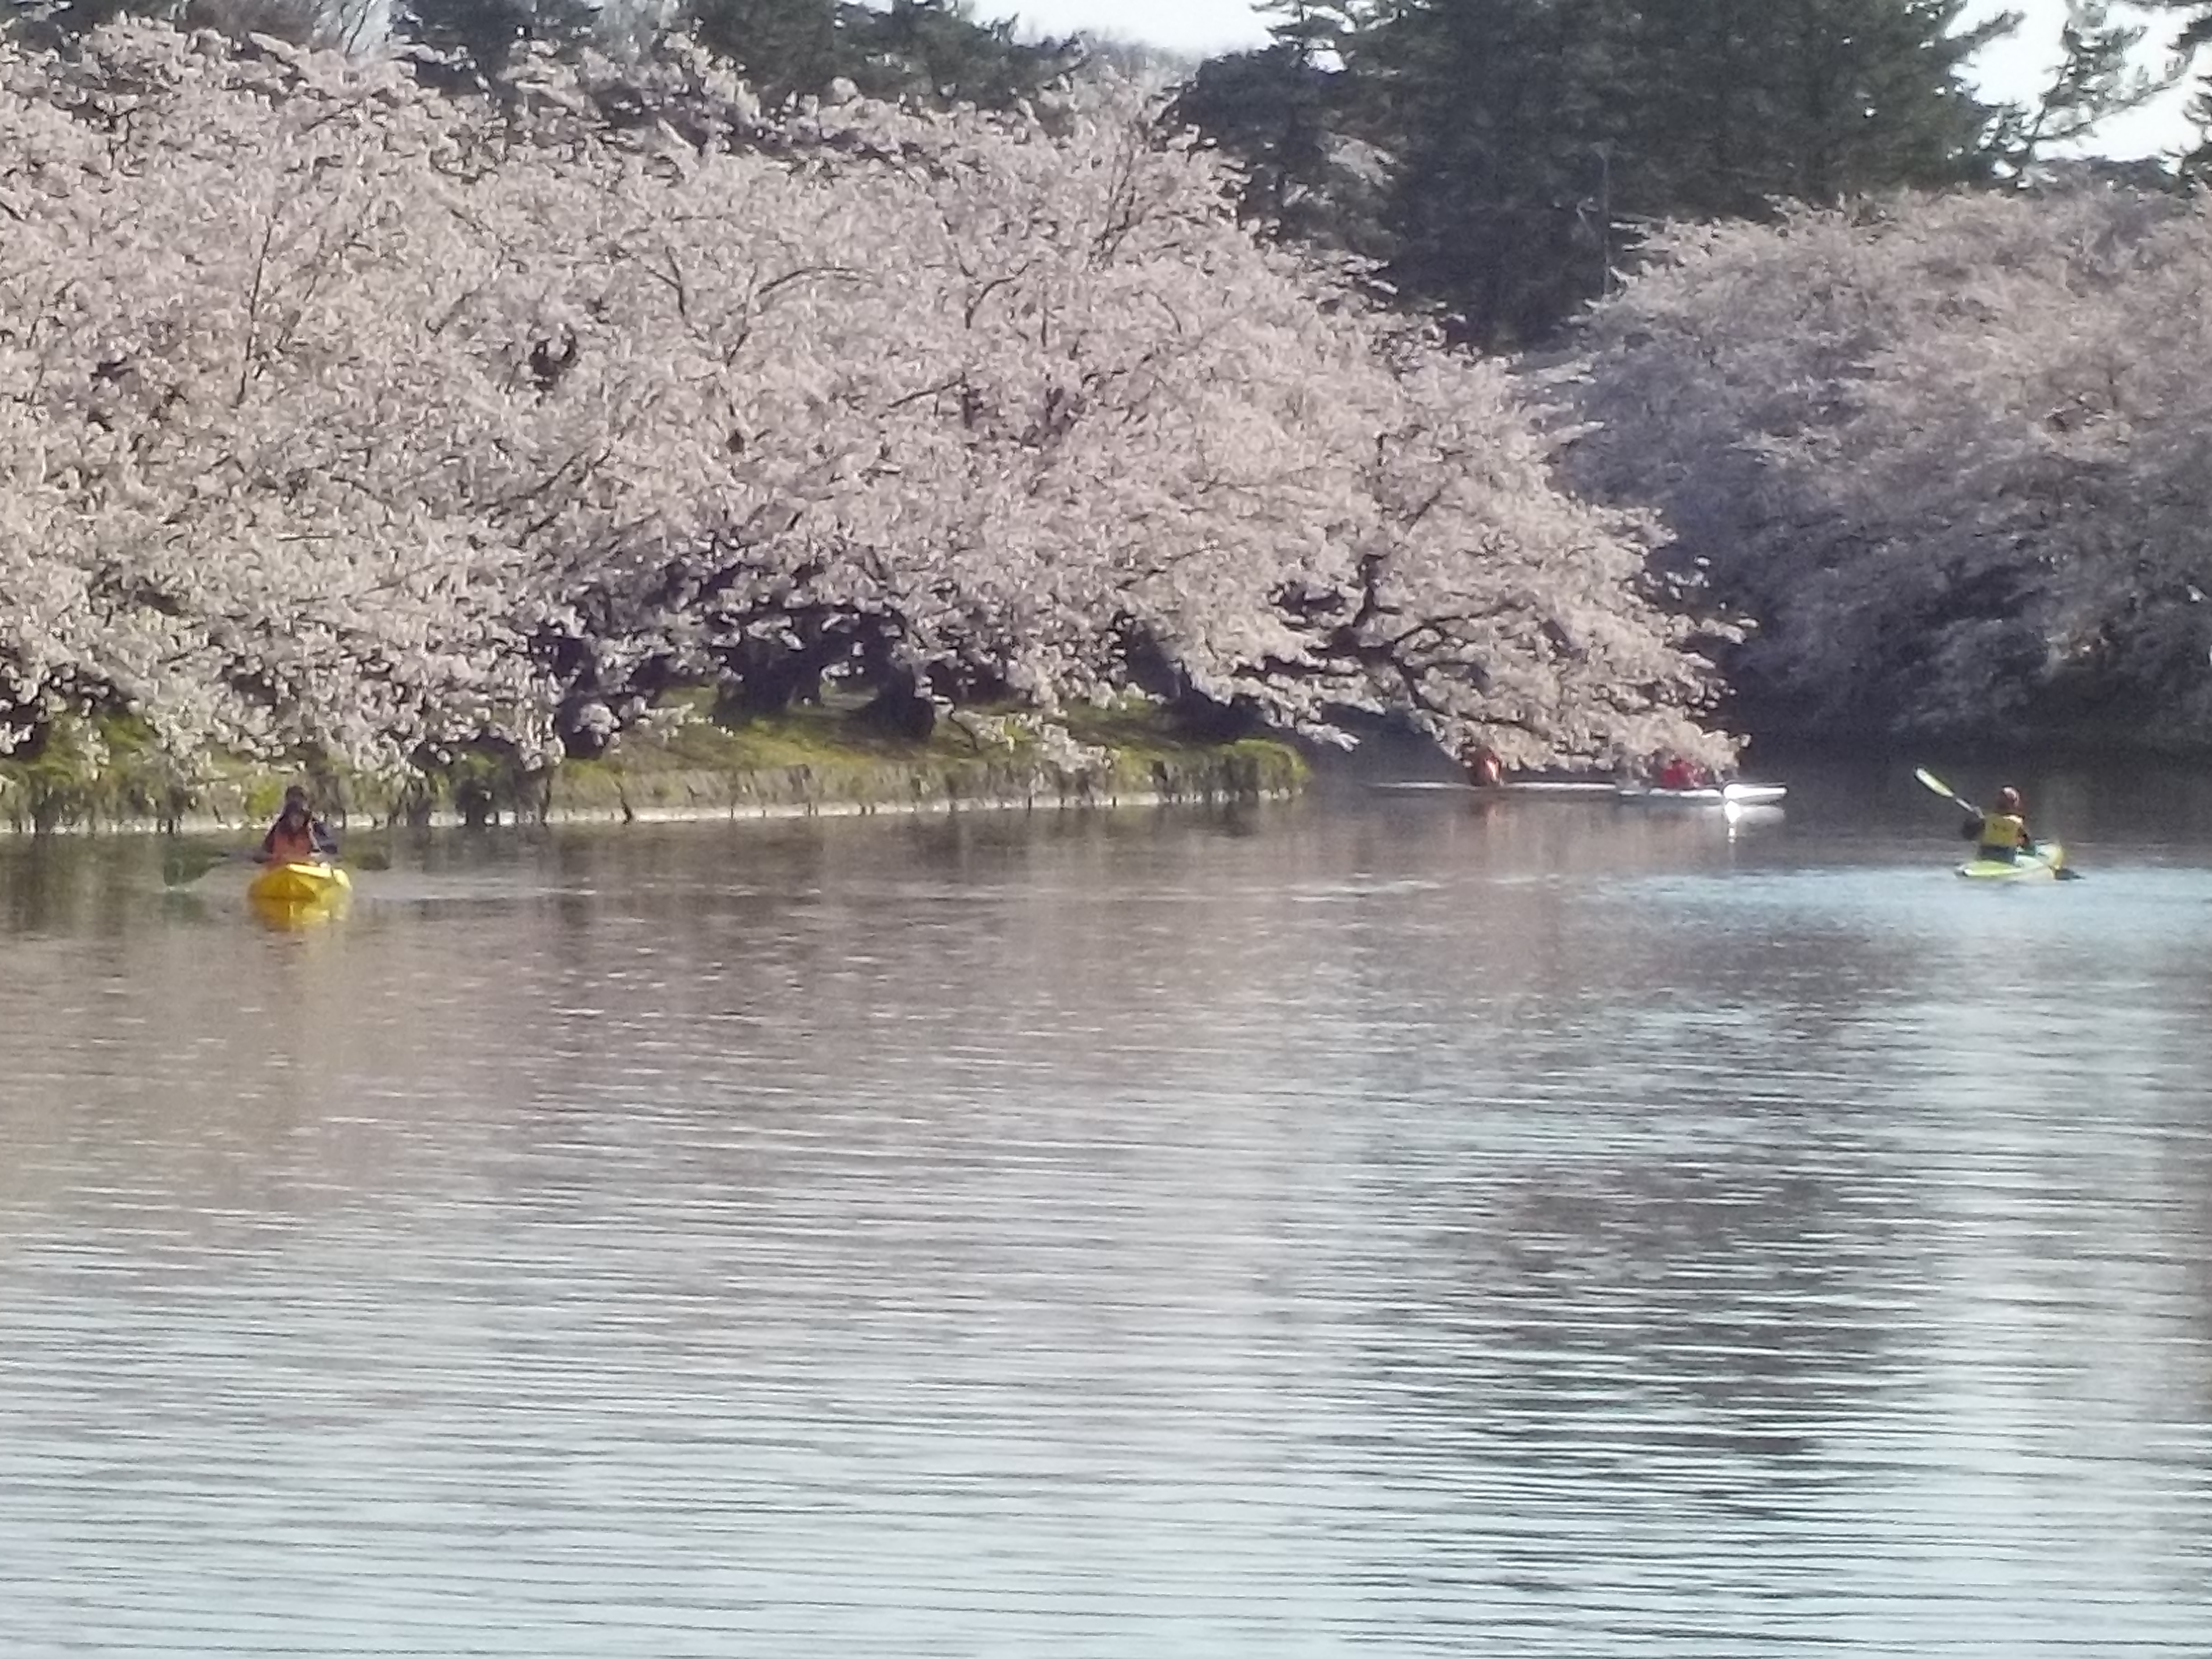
pixel 343 417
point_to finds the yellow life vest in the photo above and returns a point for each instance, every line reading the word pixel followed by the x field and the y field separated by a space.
pixel 2001 834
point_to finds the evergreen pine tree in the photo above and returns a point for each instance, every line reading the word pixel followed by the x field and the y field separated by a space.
pixel 785 47
pixel 2189 45
pixel 1531 135
pixel 936 50
pixel 476 38
pixel 1282 110
pixel 1508 113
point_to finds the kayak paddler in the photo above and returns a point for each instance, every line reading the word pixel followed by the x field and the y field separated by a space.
pixel 298 836
pixel 2000 836
pixel 1483 767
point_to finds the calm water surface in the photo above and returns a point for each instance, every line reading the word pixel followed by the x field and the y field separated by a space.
pixel 1380 1225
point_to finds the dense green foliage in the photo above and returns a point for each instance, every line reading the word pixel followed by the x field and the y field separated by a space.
pixel 1524 147
pixel 2195 35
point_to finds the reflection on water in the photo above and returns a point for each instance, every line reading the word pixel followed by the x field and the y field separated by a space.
pixel 1376 1226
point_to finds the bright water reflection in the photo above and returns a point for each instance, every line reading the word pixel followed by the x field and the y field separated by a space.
pixel 1375 1226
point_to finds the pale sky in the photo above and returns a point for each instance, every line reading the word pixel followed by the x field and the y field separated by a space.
pixel 1192 25
pixel 1200 27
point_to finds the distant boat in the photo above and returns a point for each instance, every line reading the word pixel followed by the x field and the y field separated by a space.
pixel 1567 788
pixel 1726 794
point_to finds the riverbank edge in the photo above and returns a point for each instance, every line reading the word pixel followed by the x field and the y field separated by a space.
pixel 818 765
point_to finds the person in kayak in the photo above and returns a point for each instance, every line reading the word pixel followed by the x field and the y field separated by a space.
pixel 2000 836
pixel 1681 773
pixel 1483 770
pixel 298 836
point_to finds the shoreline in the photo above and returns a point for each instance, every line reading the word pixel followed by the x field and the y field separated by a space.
pixel 819 765
pixel 208 824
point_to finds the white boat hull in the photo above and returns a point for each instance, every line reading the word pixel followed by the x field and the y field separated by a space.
pixel 1729 794
pixel 1554 788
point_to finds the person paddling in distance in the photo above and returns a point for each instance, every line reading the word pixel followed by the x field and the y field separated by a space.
pixel 1483 767
pixel 2000 836
pixel 297 836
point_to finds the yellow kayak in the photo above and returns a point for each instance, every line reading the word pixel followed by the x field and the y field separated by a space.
pixel 2046 863
pixel 299 884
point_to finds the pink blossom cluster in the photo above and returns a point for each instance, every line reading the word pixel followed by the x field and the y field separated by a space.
pixel 339 415
pixel 1953 452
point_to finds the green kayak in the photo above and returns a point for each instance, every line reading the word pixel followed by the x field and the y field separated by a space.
pixel 2044 863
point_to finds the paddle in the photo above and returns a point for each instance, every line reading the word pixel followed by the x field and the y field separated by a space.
pixel 181 866
pixel 1932 782
pixel 2064 872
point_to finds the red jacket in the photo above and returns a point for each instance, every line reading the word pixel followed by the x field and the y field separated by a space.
pixel 284 844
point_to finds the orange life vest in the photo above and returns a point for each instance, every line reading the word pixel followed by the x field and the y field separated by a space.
pixel 285 845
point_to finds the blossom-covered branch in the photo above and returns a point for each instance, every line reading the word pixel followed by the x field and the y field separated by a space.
pixel 340 415
pixel 1950 452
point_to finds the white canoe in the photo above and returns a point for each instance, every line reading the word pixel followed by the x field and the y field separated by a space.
pixel 1727 795
pixel 1569 788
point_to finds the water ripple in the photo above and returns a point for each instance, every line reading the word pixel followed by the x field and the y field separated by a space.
pixel 1402 1234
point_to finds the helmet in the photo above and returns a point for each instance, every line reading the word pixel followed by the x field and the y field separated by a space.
pixel 2009 799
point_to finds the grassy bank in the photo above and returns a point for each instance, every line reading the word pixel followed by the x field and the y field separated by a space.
pixel 111 777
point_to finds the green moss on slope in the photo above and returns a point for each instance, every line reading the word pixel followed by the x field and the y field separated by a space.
pixel 111 774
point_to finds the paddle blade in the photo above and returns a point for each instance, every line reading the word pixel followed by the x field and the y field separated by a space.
pixel 1929 780
pixel 182 866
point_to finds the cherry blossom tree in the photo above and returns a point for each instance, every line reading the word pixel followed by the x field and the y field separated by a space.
pixel 348 417
pixel 227 416
pixel 1950 454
